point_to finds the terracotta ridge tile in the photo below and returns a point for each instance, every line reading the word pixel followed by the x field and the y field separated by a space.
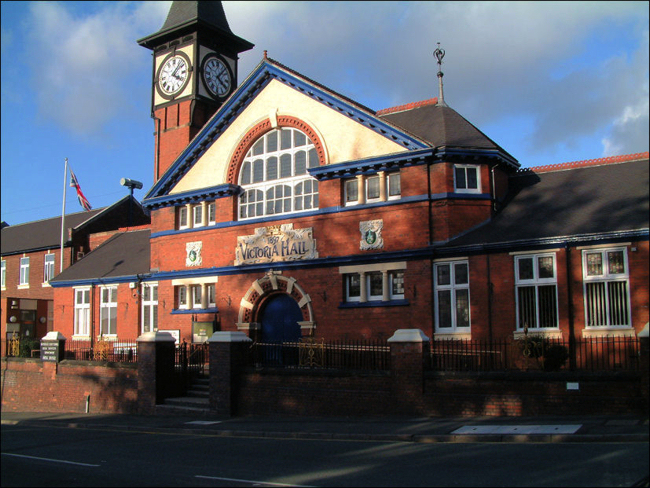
pixel 408 106
pixel 585 163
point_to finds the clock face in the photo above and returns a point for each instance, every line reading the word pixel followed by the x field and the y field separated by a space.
pixel 173 75
pixel 216 76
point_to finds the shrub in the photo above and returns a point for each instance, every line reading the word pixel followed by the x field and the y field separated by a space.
pixel 555 357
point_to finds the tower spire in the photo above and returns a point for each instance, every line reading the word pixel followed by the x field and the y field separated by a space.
pixel 439 54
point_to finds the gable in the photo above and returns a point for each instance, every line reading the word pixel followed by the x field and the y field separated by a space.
pixel 348 130
pixel 343 138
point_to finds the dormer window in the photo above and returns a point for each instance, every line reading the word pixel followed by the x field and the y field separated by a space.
pixel 274 175
pixel 467 179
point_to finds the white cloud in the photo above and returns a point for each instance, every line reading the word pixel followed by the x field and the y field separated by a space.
pixel 504 59
pixel 81 66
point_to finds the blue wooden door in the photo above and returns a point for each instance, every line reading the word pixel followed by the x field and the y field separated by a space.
pixel 280 319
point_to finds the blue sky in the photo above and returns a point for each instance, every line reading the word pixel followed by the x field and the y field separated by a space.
pixel 550 82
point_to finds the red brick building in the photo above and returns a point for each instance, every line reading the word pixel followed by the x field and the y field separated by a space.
pixel 31 258
pixel 284 209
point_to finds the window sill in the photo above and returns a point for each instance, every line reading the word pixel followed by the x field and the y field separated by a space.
pixel 548 333
pixel 374 303
pixel 447 336
pixel 608 332
pixel 186 311
pixel 23 287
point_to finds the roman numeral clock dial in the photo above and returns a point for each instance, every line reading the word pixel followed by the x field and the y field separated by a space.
pixel 216 76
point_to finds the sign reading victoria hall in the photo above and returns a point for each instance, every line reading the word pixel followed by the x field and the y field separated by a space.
pixel 276 243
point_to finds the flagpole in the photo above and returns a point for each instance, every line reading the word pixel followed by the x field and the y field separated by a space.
pixel 65 179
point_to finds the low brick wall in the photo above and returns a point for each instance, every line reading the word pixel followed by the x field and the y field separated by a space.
pixel 532 393
pixel 313 393
pixel 41 386
pixel 344 393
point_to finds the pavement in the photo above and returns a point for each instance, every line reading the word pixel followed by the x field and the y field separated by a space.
pixel 620 428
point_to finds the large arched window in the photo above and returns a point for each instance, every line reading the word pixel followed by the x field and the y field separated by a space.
pixel 274 175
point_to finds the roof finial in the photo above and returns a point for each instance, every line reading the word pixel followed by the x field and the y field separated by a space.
pixel 266 54
pixel 439 54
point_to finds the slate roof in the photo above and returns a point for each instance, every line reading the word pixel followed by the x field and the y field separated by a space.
pixel 124 255
pixel 46 234
pixel 580 203
pixel 441 126
pixel 185 17
pixel 40 234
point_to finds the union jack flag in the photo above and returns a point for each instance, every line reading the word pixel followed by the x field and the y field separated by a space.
pixel 83 201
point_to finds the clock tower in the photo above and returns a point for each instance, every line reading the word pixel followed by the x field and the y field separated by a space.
pixel 194 70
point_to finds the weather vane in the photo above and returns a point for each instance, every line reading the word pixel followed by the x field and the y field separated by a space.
pixel 439 54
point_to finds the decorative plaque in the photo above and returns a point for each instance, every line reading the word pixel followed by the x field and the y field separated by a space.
pixel 276 243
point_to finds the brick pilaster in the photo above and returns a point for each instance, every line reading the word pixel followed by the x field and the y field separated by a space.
pixel 409 350
pixel 227 357
pixel 155 369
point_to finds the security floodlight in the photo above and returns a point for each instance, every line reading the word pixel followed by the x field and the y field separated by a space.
pixel 129 183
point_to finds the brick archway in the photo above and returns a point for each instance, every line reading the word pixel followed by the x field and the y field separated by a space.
pixel 273 283
pixel 262 128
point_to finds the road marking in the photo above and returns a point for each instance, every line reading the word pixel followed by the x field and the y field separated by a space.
pixel 51 460
pixel 258 483
pixel 518 429
pixel 204 422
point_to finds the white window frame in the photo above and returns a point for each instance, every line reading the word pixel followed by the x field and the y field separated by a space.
pixel 108 310
pixel 465 168
pixel 269 177
pixel 23 279
pixel 384 189
pixel 391 177
pixel 182 294
pixel 82 312
pixel 370 296
pixel 392 275
pixel 197 215
pixel 183 217
pixel 195 293
pixel 211 290
pixel 3 274
pixel 366 187
pixel 348 185
pixel 149 318
pixel 536 282
pixel 607 279
pixel 363 273
pixel 49 263
pixel 348 285
pixel 212 213
pixel 453 288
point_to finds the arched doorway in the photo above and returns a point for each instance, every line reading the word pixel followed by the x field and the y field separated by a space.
pixel 279 319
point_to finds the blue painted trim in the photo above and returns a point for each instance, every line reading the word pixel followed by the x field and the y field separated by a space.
pixel 212 193
pixel 325 211
pixel 194 311
pixel 443 153
pixel 375 303
pixel 239 100
pixel 103 281
pixel 371 165
pixel 533 244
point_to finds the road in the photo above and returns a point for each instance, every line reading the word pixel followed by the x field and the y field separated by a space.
pixel 62 456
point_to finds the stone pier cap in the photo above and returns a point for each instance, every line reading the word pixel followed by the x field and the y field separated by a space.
pixel 408 335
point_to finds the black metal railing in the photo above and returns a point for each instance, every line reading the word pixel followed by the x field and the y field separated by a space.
pixel 192 359
pixel 118 351
pixel 318 354
pixel 532 352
